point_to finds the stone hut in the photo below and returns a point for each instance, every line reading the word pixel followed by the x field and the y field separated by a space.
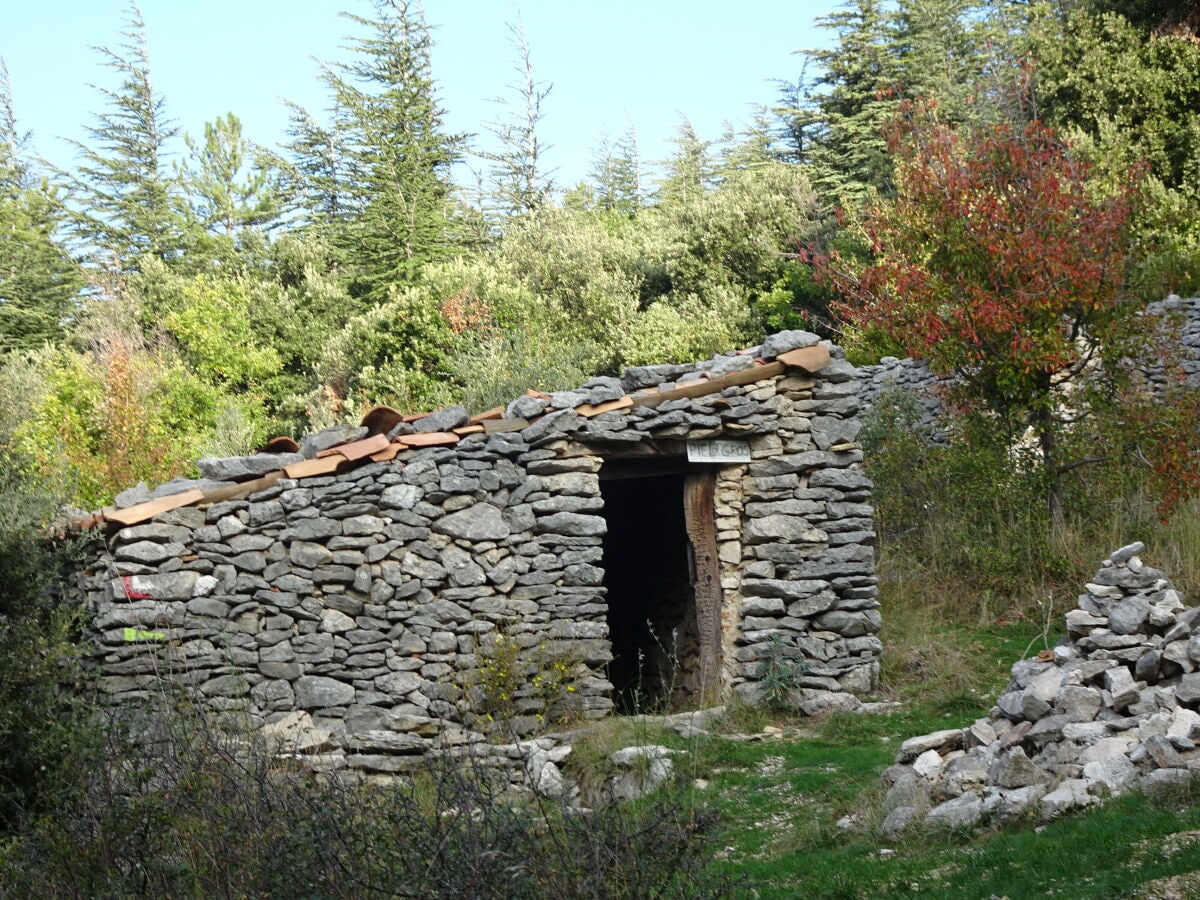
pixel 644 541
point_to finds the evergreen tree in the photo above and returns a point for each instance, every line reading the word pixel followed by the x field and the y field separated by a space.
pixel 314 182
pixel 394 202
pixel 958 53
pixel 39 281
pixel 519 182
pixel 617 175
pixel 127 202
pixel 797 121
pixel 856 98
pixel 230 181
pixel 690 170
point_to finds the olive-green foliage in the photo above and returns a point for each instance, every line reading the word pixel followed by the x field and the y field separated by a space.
pixel 962 528
pixel 494 370
pixel 113 416
pixel 39 721
pixel 1127 96
pixel 569 292
pixel 971 505
pixel 393 353
pixel 257 332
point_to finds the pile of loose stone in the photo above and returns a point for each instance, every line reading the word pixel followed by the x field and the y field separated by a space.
pixel 1111 708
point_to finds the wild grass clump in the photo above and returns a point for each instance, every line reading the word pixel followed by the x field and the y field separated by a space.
pixel 973 574
pixel 964 527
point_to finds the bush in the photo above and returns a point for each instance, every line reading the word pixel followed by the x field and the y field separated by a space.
pixel 169 805
pixel 41 721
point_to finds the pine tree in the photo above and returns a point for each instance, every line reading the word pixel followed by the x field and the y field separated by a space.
pixel 519 182
pixel 127 202
pixel 617 175
pixel 39 281
pixel 386 161
pixel 314 182
pixel 689 170
pixel 230 181
pixel 856 98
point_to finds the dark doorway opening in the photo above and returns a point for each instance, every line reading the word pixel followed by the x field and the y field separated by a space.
pixel 651 597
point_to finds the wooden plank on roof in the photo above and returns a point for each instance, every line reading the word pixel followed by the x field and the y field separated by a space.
pixel 307 468
pixel 144 512
pixel 752 374
pixel 810 359
pixel 701 388
pixel 594 409
pixel 500 426
pixel 243 489
pixel 388 453
pixel 496 412
pixel 428 439
pixel 381 419
pixel 469 429
pixel 358 449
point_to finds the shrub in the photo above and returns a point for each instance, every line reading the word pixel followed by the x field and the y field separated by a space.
pixel 187 809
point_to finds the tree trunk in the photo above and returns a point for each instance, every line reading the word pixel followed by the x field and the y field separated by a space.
pixel 1043 425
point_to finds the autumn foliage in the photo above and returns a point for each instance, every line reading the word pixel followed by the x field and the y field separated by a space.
pixel 996 261
pixel 993 261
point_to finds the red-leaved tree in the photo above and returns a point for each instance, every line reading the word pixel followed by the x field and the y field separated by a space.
pixel 996 263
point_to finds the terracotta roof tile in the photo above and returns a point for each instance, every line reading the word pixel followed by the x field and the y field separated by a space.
pixel 281 444
pixel 242 489
pixel 309 467
pixel 357 449
pixel 810 359
pixel 587 410
pixel 390 452
pixel 381 419
pixel 496 412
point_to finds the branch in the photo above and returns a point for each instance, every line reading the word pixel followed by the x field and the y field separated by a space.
pixel 1063 469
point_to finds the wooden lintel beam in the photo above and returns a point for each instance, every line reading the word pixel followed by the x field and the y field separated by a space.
pixel 716 385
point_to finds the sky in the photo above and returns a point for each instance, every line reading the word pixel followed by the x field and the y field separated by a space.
pixel 612 65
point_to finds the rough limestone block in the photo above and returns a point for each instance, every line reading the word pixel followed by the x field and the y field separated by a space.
pixel 963 811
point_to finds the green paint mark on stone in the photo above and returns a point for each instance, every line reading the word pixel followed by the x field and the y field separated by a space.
pixel 136 634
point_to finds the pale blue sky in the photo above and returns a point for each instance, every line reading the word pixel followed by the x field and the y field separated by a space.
pixel 612 63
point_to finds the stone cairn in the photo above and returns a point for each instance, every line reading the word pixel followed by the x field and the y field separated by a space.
pixel 1111 708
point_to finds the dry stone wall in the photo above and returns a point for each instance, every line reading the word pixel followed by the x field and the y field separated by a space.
pixel 915 383
pixel 369 615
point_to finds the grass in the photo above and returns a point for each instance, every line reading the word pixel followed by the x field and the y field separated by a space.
pixel 779 796
pixel 781 784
